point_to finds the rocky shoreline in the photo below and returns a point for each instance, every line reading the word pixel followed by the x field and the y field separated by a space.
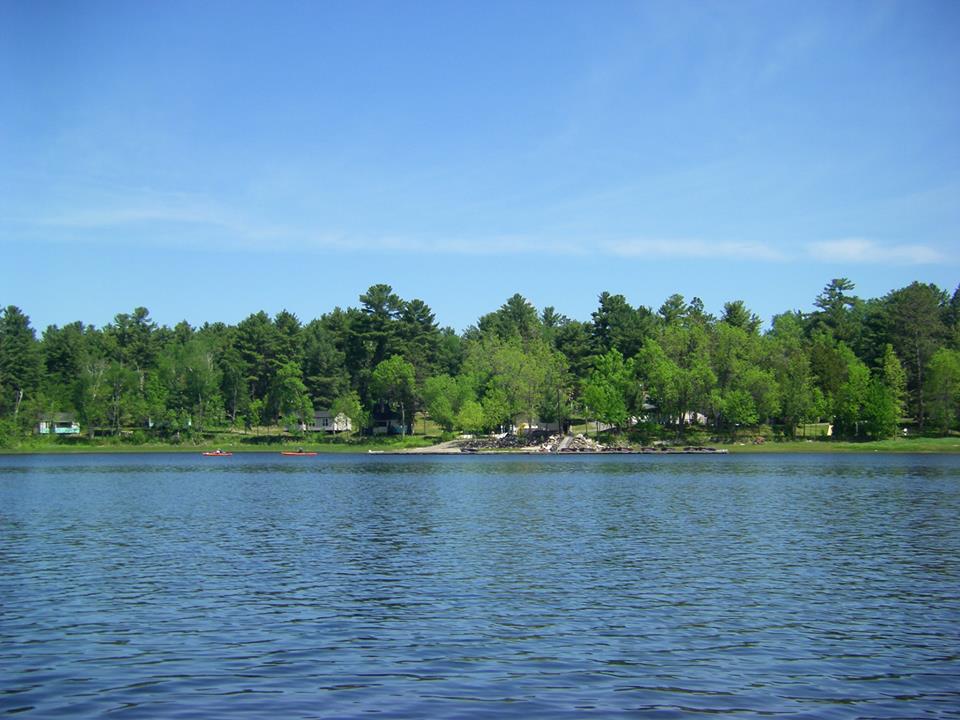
pixel 544 443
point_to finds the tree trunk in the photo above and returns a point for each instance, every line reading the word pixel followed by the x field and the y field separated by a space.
pixel 919 386
pixel 16 408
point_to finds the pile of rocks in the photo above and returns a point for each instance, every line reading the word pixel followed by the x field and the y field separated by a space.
pixel 533 440
pixel 540 441
pixel 551 444
pixel 581 443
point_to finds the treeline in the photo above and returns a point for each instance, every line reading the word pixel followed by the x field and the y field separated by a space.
pixel 863 365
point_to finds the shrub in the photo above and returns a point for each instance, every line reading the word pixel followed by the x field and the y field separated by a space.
pixel 8 434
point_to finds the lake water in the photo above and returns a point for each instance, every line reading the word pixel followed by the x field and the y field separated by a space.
pixel 180 586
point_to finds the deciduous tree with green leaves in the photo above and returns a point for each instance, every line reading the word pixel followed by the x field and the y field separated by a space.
pixel 349 405
pixel 608 389
pixel 943 388
pixel 394 383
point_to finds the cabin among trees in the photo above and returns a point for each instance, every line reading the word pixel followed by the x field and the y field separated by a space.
pixel 389 422
pixel 327 421
pixel 868 367
pixel 58 424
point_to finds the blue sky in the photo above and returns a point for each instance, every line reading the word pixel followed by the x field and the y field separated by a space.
pixel 209 160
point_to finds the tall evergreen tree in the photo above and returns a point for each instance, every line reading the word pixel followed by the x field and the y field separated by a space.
pixel 835 305
pixel 256 342
pixel 325 371
pixel 616 325
pixel 20 360
pixel 737 315
pixel 916 330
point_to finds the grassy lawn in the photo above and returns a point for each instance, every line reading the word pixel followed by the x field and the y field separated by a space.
pixel 894 445
pixel 266 440
pixel 275 440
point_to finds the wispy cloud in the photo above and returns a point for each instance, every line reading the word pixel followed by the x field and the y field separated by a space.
pixel 132 215
pixel 188 219
pixel 159 215
pixel 692 249
pixel 862 250
pixel 508 245
pixel 155 217
pixel 497 245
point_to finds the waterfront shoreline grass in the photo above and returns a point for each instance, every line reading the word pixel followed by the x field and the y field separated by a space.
pixel 921 445
pixel 227 443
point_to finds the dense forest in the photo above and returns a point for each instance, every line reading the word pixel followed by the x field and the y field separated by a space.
pixel 868 367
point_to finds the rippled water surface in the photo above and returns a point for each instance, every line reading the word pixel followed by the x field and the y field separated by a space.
pixel 173 586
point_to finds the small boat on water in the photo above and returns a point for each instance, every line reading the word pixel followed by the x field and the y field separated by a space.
pixel 297 453
pixel 218 453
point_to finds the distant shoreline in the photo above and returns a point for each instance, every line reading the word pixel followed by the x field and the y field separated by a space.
pixel 925 446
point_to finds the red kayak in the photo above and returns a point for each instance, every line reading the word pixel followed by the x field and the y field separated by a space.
pixel 218 453
pixel 297 454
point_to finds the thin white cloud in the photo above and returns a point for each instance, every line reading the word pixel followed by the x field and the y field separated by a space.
pixel 220 227
pixel 692 249
pixel 487 246
pixel 153 215
pixel 104 218
pixel 531 245
pixel 100 208
pixel 862 250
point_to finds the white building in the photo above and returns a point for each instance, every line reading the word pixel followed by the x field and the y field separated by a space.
pixel 325 421
pixel 58 424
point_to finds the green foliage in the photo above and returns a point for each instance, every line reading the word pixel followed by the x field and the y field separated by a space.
pixel 676 372
pixel 836 308
pixel 515 320
pixel 736 314
pixel 288 395
pixel 660 376
pixel 514 377
pixel 881 410
pixel 444 397
pixel 471 417
pixel 943 388
pixel 20 360
pixel 739 408
pixel 860 364
pixel 851 396
pixel 916 330
pixel 496 408
pixel 618 326
pixel 8 433
pixel 393 384
pixel 607 390
pixel 349 404
pixel 254 414
pixel 894 378
pixel 325 372
pixel 800 400
pixel 763 389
